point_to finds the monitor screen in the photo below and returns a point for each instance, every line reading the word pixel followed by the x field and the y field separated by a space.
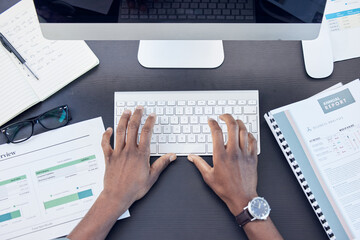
pixel 180 11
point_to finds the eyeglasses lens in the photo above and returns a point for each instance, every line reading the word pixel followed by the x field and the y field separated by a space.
pixel 19 132
pixel 55 118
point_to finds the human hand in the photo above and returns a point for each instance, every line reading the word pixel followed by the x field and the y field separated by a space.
pixel 234 174
pixel 128 174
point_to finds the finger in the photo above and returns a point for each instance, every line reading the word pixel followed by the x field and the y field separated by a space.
pixel 105 144
pixel 121 129
pixel 217 136
pixel 243 135
pixel 146 132
pixel 203 167
pixel 252 148
pixel 159 165
pixel 133 126
pixel 233 131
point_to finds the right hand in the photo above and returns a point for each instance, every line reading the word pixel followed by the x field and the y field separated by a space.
pixel 234 174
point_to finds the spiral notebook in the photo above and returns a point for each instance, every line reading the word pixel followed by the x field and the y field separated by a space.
pixel 320 138
pixel 56 63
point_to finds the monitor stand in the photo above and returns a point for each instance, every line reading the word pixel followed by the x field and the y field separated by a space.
pixel 181 53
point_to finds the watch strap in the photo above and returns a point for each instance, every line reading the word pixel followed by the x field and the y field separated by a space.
pixel 243 218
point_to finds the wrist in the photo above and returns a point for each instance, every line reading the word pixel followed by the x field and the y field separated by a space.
pixel 119 203
pixel 236 206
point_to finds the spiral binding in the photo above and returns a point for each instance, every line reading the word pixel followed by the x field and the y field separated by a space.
pixel 298 173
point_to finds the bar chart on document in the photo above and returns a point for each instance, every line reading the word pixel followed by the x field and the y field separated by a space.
pixel 46 189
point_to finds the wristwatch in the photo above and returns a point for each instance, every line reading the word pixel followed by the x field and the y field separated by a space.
pixel 257 209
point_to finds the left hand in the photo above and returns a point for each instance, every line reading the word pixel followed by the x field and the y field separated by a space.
pixel 128 174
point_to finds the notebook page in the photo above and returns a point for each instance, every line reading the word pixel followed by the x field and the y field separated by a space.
pixel 15 93
pixel 56 63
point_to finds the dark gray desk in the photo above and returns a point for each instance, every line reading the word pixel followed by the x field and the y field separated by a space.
pixel 180 205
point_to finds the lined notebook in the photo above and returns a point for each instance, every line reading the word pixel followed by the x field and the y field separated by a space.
pixel 56 63
pixel 320 138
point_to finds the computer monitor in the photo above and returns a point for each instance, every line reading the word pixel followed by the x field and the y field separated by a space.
pixel 195 27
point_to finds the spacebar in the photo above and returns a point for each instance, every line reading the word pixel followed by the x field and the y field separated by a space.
pixel 182 148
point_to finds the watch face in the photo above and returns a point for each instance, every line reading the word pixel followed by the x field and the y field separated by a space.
pixel 259 208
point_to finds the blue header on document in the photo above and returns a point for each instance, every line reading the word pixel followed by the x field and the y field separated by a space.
pixel 343 14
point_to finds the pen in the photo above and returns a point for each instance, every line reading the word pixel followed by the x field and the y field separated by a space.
pixel 11 49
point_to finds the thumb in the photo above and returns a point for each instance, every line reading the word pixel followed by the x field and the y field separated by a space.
pixel 203 167
pixel 105 144
pixel 160 164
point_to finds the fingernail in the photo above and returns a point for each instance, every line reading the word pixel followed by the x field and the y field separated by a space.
pixel 190 158
pixel 126 112
pixel 210 119
pixel 108 129
pixel 172 157
pixel 152 115
pixel 140 107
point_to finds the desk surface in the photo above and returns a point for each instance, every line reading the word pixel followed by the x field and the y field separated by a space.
pixel 180 205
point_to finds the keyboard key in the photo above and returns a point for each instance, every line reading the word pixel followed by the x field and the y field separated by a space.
pixel 153 138
pixel 191 138
pixel 184 120
pixel 186 129
pixel 157 129
pixel 209 139
pixel 218 110
pixel 205 129
pixel 172 139
pixel 164 120
pixel 250 110
pixel 162 139
pixel 237 110
pixel 176 129
pixel 201 138
pixel 203 119
pixel 208 110
pixel 232 102
pixel 130 104
pixel 242 102
pixel 181 103
pixel 182 148
pixel 167 129
pixel 181 139
pixel 252 102
pixel 201 103
pixel 179 110
pixel 120 104
pixel 210 148
pixel 153 148
pixel 228 110
pixel 171 103
pixel 169 111
pixel 191 103
pixel 188 110
pixel 196 129
pixel 194 120
pixel 198 110
pixel 159 111
pixel 211 102
pixel 174 120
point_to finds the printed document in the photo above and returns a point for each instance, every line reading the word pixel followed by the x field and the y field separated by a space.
pixel 49 182
pixel 343 20
pixel 329 132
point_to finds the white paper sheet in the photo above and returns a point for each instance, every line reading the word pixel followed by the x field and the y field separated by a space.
pixel 49 182
pixel 329 132
pixel 343 20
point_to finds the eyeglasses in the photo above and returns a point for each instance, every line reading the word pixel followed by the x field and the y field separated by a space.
pixel 22 131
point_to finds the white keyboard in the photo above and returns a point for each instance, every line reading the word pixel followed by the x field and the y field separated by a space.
pixel 182 117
